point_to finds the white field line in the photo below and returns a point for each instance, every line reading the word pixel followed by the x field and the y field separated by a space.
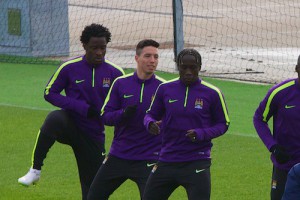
pixel 48 109
pixel 244 135
pixel 26 107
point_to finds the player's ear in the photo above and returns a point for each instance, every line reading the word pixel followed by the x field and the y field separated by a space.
pixel 178 67
pixel 297 68
pixel 84 46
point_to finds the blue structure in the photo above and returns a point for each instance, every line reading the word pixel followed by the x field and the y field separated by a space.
pixel 38 28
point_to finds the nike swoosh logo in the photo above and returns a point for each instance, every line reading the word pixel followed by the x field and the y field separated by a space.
pixel 127 96
pixel 78 81
pixel 103 153
pixel 198 171
pixel 150 164
pixel 172 100
pixel 288 107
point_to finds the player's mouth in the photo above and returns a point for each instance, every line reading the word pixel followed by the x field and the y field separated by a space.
pixel 98 60
pixel 188 80
pixel 151 67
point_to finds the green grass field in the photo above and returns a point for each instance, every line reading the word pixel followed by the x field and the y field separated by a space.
pixel 241 168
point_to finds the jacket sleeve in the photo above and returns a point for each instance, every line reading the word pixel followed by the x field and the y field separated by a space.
pixel 57 83
pixel 156 110
pixel 261 117
pixel 220 119
pixel 111 110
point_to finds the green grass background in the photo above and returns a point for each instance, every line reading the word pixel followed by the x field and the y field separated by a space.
pixel 241 168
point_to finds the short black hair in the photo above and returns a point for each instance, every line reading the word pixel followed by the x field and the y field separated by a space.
pixel 298 63
pixel 192 52
pixel 145 43
pixel 95 30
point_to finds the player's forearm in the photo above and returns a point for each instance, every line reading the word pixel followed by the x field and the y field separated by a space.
pixel 112 118
pixel 147 120
pixel 204 134
pixel 263 132
pixel 67 103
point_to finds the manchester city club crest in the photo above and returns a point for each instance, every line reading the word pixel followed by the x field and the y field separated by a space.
pixel 106 82
pixel 199 103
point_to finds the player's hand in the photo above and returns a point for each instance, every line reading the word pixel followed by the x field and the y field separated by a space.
pixel 129 112
pixel 92 112
pixel 158 122
pixel 280 154
pixel 192 135
pixel 154 128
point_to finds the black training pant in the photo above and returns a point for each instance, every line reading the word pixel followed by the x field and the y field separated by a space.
pixel 194 176
pixel 114 171
pixel 279 178
pixel 58 126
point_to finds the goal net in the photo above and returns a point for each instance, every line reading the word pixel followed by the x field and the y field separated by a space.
pixel 251 40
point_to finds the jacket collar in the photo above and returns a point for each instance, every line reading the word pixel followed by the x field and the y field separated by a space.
pixel 135 76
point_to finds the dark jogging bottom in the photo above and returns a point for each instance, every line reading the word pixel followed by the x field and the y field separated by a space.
pixel 58 126
pixel 279 178
pixel 194 176
pixel 114 171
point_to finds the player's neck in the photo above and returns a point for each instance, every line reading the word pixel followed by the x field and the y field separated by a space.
pixel 143 75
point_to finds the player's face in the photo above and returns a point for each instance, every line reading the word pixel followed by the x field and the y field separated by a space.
pixel 188 69
pixel 298 68
pixel 95 50
pixel 147 61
